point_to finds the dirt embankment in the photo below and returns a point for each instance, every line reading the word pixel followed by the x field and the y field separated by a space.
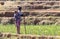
pixel 27 36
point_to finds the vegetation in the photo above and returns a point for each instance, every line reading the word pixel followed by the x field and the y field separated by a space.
pixel 32 29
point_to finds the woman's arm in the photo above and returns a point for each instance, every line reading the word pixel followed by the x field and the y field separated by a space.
pixel 20 13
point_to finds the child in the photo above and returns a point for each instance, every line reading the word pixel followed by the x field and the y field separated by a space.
pixel 17 16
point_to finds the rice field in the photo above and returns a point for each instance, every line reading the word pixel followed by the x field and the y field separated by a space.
pixel 32 29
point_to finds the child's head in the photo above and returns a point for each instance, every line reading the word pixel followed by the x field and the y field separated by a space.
pixel 15 12
pixel 19 8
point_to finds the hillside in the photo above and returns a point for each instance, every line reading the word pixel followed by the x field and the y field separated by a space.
pixel 36 10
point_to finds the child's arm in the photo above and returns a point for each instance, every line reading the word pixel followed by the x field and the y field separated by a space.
pixel 14 17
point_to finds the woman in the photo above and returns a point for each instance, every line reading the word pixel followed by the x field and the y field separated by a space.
pixel 17 16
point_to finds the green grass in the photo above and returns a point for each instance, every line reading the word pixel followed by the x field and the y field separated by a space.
pixel 33 29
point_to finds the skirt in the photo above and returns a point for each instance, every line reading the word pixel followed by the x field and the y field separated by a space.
pixel 17 22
